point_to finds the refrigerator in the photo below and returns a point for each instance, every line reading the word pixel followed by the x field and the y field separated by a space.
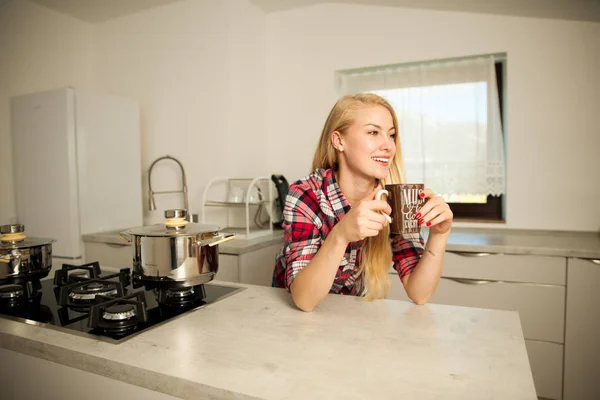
pixel 77 166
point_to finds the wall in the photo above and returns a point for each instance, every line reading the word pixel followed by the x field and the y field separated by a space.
pixel 204 70
pixel 197 68
pixel 552 94
pixel 39 50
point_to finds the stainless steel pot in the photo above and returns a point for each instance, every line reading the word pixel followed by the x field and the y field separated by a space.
pixel 22 257
pixel 178 252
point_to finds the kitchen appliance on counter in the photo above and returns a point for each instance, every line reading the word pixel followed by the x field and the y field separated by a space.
pixel 23 258
pixel 176 254
pixel 84 300
pixel 77 166
pixel 282 186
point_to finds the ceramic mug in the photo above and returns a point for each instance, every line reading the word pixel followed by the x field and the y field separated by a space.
pixel 405 201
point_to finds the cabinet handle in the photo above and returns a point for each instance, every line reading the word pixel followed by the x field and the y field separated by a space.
pixel 459 253
pixel 466 281
pixel 595 261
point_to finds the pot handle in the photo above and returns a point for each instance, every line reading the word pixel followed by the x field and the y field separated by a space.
pixel 5 259
pixel 125 236
pixel 213 242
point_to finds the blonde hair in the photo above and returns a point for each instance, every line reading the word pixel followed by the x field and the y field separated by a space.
pixel 376 252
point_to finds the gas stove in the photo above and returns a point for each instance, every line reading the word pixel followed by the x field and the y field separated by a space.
pixel 84 300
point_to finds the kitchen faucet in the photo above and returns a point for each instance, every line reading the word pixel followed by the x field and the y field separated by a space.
pixel 183 190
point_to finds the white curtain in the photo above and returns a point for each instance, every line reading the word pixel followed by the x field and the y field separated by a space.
pixel 449 121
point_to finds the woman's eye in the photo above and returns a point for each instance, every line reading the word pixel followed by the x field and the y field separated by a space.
pixel 373 132
pixel 393 136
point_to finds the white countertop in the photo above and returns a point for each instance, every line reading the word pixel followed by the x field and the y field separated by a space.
pixel 520 241
pixel 256 344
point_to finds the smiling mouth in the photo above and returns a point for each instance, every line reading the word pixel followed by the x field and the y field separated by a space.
pixel 384 161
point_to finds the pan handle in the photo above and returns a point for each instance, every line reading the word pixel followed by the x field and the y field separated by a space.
pixel 218 240
pixel 125 236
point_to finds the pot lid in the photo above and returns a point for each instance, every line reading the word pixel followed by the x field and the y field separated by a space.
pixel 174 225
pixel 13 237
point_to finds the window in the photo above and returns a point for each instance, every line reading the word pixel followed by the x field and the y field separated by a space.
pixel 449 116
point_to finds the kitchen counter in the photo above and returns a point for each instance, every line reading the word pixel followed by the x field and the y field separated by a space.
pixel 505 241
pixel 543 243
pixel 256 345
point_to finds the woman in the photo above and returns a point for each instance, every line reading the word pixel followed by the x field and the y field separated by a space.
pixel 336 239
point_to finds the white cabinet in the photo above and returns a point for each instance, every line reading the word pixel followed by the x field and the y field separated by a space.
pixel 254 267
pixel 115 255
pixel 582 347
pixel 546 361
pixel 534 286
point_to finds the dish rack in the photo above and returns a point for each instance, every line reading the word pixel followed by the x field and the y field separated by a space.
pixel 257 192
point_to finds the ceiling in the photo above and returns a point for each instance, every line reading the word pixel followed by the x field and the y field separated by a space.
pixel 581 10
pixel 100 10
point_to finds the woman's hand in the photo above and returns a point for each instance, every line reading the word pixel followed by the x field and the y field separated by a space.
pixel 364 219
pixel 435 213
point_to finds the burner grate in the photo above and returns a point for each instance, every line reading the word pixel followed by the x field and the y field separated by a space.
pixel 118 315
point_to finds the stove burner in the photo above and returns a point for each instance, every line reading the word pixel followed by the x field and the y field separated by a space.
pixel 19 294
pixel 119 312
pixel 81 295
pixel 91 290
pixel 11 291
pixel 118 316
pixel 181 296
pixel 180 293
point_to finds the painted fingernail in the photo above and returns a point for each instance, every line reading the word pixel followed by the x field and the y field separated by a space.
pixel 429 224
pixel 418 216
pixel 421 221
pixel 422 194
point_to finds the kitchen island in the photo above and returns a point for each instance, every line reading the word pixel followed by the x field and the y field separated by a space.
pixel 256 345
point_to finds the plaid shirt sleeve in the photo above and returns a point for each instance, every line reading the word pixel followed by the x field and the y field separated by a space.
pixel 302 233
pixel 406 252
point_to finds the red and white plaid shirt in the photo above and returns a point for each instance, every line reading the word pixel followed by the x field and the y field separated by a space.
pixel 312 208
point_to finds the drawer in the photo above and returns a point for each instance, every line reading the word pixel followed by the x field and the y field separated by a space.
pixel 503 267
pixel 546 360
pixel 109 254
pixel 541 308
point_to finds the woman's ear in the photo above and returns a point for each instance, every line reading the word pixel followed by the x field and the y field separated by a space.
pixel 336 141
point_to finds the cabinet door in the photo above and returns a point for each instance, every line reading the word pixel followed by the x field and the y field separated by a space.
pixel 582 337
pixel 228 268
pixel 546 360
pixel 397 291
pixel 256 267
pixel 109 254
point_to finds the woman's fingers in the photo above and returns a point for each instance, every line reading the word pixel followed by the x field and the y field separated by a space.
pixel 378 217
pixel 427 194
pixel 430 205
pixel 439 218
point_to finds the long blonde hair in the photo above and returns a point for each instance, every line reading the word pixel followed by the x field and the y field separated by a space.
pixel 376 255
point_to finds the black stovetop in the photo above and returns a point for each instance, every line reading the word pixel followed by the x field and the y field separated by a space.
pixel 87 301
